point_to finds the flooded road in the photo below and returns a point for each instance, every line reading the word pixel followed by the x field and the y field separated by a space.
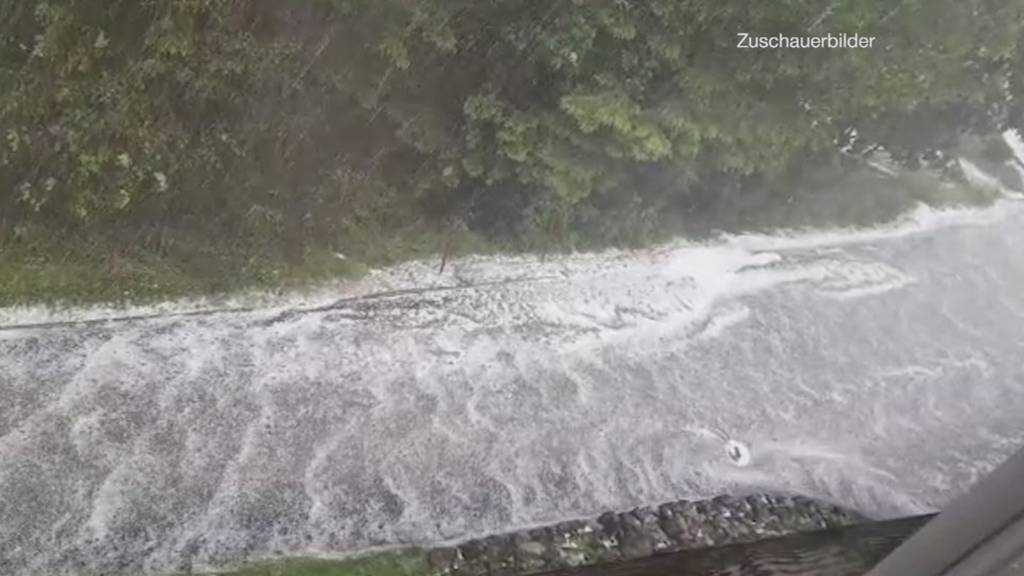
pixel 882 369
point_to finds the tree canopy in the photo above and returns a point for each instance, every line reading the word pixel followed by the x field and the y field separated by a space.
pixel 311 119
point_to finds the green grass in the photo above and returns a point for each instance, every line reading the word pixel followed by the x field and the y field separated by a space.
pixel 84 270
pixel 42 266
pixel 408 563
pixel 38 266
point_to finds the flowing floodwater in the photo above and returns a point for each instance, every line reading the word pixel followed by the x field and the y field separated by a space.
pixel 882 369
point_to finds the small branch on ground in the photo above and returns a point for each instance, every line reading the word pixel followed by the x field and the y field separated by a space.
pixel 445 251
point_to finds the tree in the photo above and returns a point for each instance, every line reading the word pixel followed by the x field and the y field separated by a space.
pixel 252 113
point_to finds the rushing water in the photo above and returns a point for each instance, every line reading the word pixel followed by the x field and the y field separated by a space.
pixel 882 369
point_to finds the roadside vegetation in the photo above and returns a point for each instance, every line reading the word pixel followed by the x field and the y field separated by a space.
pixel 155 149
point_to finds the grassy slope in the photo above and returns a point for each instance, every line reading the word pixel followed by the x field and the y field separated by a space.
pixel 41 267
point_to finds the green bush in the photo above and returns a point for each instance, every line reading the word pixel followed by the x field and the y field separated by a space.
pixel 324 123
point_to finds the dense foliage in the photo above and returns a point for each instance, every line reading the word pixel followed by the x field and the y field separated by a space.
pixel 313 122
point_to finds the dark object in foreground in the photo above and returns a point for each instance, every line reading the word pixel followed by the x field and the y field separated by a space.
pixel 849 551
pixel 978 534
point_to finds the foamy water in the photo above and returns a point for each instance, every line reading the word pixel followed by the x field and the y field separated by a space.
pixel 879 368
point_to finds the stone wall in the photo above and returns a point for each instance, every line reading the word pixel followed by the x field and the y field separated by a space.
pixel 638 533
